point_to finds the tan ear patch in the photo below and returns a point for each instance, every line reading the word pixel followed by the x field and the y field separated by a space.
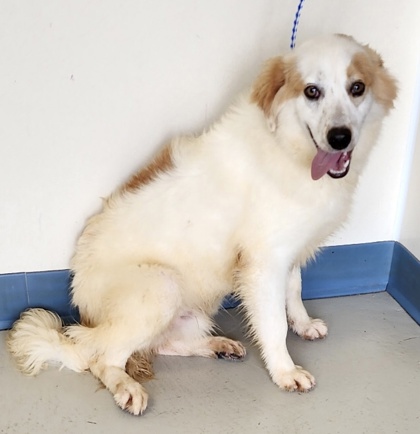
pixel 268 83
pixel 279 81
pixel 369 67
pixel 385 88
pixel 362 68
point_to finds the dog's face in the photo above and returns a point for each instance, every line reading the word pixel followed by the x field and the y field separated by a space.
pixel 327 87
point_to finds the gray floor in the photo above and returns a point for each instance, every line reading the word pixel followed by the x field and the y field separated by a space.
pixel 367 370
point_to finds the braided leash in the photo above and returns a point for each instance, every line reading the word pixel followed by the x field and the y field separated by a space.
pixel 295 25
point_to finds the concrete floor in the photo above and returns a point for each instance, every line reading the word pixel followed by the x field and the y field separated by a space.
pixel 367 370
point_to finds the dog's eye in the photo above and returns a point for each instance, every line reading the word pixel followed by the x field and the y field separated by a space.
pixel 312 92
pixel 357 89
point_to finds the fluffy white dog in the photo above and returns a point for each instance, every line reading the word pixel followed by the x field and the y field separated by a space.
pixel 237 209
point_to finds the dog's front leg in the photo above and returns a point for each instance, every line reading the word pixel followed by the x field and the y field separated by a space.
pixel 263 292
pixel 299 320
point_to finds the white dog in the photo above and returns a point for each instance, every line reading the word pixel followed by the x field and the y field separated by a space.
pixel 237 209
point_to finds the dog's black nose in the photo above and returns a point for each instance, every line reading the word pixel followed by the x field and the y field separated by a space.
pixel 339 138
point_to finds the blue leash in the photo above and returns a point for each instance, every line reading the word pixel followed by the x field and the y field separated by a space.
pixel 295 25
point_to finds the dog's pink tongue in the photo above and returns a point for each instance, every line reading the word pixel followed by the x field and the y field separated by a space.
pixel 323 162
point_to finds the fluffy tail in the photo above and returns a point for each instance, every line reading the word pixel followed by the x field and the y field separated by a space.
pixel 38 338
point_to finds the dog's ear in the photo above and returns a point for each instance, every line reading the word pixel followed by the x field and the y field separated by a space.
pixel 278 81
pixel 370 66
pixel 268 83
pixel 384 86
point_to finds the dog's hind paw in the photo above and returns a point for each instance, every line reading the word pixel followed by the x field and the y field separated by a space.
pixel 227 349
pixel 229 356
pixel 132 397
pixel 295 380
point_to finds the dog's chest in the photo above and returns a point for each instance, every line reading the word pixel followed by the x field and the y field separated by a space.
pixel 303 215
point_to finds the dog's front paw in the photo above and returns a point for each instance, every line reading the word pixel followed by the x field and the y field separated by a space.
pixel 311 330
pixel 295 380
pixel 132 397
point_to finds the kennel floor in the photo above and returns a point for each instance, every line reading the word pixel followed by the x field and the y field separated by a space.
pixel 367 371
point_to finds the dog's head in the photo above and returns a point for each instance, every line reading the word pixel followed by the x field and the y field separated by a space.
pixel 326 90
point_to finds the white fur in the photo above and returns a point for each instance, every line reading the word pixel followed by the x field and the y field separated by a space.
pixel 236 211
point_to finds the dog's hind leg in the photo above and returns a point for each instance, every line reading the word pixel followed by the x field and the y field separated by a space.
pixel 189 335
pixel 139 305
pixel 299 320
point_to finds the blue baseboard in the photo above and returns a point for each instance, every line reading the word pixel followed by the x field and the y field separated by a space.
pixel 47 289
pixel 345 270
pixel 404 281
pixel 348 270
pixel 337 271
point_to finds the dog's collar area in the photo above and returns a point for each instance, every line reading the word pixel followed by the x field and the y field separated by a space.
pixel 335 164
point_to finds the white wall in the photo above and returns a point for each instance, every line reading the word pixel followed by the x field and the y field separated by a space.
pixel 89 88
pixel 410 228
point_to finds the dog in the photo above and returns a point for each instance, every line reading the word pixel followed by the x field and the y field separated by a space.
pixel 238 209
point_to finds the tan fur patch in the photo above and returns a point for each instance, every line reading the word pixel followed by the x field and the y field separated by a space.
pixel 368 66
pixel 240 264
pixel 86 321
pixel 139 367
pixel 163 162
pixel 277 74
pixel 362 68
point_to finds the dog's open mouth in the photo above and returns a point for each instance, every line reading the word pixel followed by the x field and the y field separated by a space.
pixel 335 164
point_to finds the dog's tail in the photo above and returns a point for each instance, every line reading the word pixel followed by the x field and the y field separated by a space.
pixel 38 338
